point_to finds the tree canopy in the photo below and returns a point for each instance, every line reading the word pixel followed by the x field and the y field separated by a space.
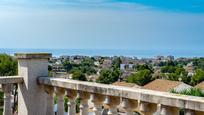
pixel 8 65
pixel 108 76
pixel 198 77
pixel 78 75
pixel 141 78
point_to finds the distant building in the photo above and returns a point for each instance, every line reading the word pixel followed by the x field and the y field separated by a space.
pixel 170 58
pixel 127 67
pixel 190 69
pixel 107 63
pixel 166 85
pixel 97 63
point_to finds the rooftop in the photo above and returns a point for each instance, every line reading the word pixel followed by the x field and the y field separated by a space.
pixel 162 85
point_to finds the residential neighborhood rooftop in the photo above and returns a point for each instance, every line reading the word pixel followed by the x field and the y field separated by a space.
pixel 162 85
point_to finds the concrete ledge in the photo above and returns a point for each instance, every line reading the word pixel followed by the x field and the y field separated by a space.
pixel 33 55
pixel 10 79
pixel 168 99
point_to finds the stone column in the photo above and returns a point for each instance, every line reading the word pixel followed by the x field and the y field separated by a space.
pixel 112 102
pixel 60 100
pixel 167 110
pixel 7 89
pixel 147 108
pixel 83 96
pixel 72 94
pixel 50 100
pixel 31 96
pixel 97 100
pixel 129 105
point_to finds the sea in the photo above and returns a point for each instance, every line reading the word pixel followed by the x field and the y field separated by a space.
pixel 109 52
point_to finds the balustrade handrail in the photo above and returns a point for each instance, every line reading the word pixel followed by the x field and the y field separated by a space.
pixel 164 98
pixel 10 79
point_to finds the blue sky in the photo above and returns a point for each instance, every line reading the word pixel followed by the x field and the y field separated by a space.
pixel 103 24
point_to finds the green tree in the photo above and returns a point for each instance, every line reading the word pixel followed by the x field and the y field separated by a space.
pixel 141 78
pixel 198 77
pixel 8 65
pixel 144 67
pixel 108 76
pixel 168 69
pixel 86 66
pixel 116 63
pixel 199 63
pixel 78 75
pixel 67 66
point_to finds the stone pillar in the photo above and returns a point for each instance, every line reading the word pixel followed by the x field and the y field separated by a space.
pixel 129 105
pixel 7 89
pixel 60 101
pixel 83 96
pixel 31 96
pixel 72 94
pixel 147 108
pixel 113 103
pixel 167 110
pixel 97 100
pixel 50 100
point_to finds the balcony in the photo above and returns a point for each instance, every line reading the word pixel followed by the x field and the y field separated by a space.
pixel 36 93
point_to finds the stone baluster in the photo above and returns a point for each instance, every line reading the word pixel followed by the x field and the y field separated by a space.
pixel 83 96
pixel 129 105
pixel 72 94
pixel 50 100
pixel 7 89
pixel 167 110
pixel 97 100
pixel 60 100
pixel 147 108
pixel 112 102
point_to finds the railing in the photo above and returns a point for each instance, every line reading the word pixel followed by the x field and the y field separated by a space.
pixel 7 87
pixel 128 98
pixel 36 94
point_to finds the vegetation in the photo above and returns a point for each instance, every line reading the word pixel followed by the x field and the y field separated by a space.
pixel 144 67
pixel 141 78
pixel 199 63
pixel 108 76
pixel 86 66
pixel 1 98
pixel 67 66
pixel 78 75
pixel 116 63
pixel 192 92
pixel 198 77
pixel 8 65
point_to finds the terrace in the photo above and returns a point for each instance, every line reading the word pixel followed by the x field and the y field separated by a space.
pixel 36 94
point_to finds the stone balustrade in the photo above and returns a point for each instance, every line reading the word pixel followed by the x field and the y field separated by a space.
pixel 36 93
pixel 145 101
pixel 7 88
